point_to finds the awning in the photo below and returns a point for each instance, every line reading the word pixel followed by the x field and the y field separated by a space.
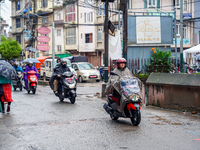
pixel 27 10
pixel 31 49
pixel 194 49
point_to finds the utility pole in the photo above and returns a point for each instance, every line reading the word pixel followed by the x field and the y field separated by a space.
pixel 53 40
pixel 106 42
pixel 175 33
pixel 125 28
pixel 181 34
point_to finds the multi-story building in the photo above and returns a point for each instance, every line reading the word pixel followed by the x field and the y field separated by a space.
pixel 196 22
pixel 3 26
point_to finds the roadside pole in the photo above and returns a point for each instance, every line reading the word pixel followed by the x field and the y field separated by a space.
pixel 125 28
pixel 53 40
pixel 181 34
pixel 106 42
pixel 53 45
pixel 175 33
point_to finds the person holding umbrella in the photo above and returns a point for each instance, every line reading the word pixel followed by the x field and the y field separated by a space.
pixel 7 74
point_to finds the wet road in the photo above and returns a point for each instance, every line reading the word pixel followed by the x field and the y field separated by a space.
pixel 41 122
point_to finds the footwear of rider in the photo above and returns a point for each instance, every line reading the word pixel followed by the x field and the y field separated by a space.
pixel 8 108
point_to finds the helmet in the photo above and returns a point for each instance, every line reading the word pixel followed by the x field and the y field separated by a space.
pixel 11 62
pixel 64 60
pixel 30 62
pixel 121 60
pixel 16 64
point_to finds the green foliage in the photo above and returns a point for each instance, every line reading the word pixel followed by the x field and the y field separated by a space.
pixel 9 48
pixel 160 61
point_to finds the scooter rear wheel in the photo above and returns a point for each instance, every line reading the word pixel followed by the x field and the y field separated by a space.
pixel 136 118
pixel 34 90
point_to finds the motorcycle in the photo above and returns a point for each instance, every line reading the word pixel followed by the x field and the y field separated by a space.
pixel 18 82
pixel 32 82
pixel 67 87
pixel 130 99
pixel 101 71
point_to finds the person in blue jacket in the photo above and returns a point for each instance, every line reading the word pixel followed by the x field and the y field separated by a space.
pixel 17 67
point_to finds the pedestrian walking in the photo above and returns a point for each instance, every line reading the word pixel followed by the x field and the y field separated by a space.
pixel 7 74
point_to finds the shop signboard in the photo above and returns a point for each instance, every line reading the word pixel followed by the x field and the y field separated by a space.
pixel 44 30
pixel 43 39
pixel 43 47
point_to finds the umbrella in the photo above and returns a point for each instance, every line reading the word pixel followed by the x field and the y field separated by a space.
pixel 7 70
pixel 31 59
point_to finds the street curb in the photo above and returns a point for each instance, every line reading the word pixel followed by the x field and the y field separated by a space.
pixel 40 82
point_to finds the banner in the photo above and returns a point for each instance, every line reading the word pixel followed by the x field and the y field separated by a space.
pixel 148 30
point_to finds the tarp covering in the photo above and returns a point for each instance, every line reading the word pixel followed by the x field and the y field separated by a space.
pixel 31 49
pixel 195 49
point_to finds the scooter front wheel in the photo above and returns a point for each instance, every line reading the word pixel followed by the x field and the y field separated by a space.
pixel 113 117
pixel 136 117
pixel 72 100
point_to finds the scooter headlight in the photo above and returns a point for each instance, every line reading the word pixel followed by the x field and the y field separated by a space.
pixel 71 86
pixel 33 79
pixel 134 98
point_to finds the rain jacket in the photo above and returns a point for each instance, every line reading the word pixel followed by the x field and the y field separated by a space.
pixel 114 83
pixel 58 70
pixel 18 69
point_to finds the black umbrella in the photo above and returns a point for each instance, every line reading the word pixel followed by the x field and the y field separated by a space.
pixel 7 70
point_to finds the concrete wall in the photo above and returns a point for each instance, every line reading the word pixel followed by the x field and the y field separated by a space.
pixel 177 91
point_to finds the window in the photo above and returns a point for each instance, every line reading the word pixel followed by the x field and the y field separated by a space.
pixel 184 31
pixel 18 23
pixel 99 10
pixel 99 34
pixel 58 16
pixel 70 36
pixel 176 3
pixel 18 5
pixel 130 4
pixel 18 38
pixel 88 38
pixel 185 5
pixel 70 14
pixel 151 3
pixel 59 32
pixel 44 20
pixel 44 3
pixel 88 17
pixel 59 49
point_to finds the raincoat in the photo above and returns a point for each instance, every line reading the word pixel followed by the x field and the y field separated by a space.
pixel 114 83
pixel 18 69
pixel 27 69
pixel 58 70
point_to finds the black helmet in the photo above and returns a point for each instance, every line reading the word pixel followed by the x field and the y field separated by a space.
pixel 16 64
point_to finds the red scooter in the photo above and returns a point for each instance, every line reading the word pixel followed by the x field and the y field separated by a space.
pixel 32 82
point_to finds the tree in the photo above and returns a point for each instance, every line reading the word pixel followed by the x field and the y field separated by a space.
pixel 9 48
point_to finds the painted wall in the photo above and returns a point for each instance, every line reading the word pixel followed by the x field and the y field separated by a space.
pixel 196 24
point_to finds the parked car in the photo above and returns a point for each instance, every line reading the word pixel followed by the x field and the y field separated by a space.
pixel 47 68
pixel 86 71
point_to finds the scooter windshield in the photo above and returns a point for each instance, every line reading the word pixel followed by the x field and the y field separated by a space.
pixel 130 86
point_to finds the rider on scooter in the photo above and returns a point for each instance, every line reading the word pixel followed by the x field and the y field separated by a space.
pixel 122 71
pixel 58 71
pixel 28 68
pixel 17 67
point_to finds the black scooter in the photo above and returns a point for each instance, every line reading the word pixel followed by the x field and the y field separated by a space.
pixel 67 87
pixel 18 82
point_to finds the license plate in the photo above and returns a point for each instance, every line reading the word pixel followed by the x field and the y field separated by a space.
pixel 93 76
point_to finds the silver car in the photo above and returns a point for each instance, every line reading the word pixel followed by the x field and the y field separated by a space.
pixel 86 71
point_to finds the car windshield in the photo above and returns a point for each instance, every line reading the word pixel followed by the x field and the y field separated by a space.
pixel 130 86
pixel 86 66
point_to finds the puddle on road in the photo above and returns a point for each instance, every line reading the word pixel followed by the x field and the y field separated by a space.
pixel 163 121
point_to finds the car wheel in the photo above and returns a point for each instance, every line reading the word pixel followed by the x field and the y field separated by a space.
pixel 97 80
pixel 80 79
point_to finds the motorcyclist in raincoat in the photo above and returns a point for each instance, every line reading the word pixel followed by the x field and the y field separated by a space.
pixel 28 68
pixel 17 67
pixel 57 72
pixel 113 86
